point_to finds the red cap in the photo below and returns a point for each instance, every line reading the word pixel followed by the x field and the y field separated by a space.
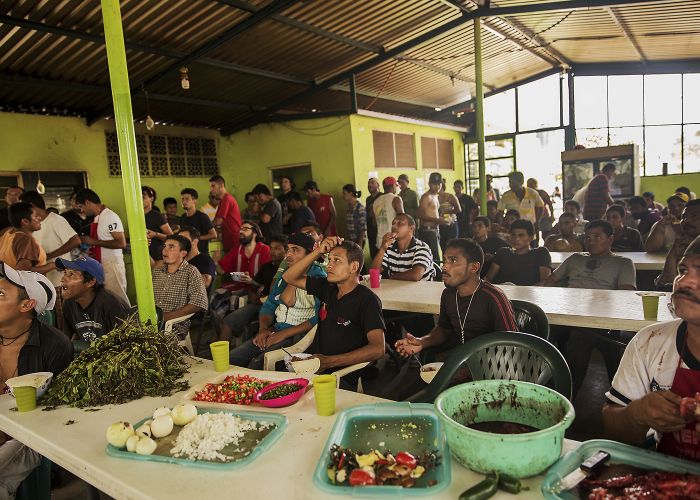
pixel 390 181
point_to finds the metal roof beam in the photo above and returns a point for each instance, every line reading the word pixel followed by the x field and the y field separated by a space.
pixel 100 90
pixel 628 34
pixel 369 64
pixel 637 68
pixel 514 10
pixel 247 23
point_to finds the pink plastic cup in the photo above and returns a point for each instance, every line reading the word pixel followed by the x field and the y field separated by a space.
pixel 374 278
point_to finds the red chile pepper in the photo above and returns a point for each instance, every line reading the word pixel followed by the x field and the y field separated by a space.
pixel 403 458
pixel 359 477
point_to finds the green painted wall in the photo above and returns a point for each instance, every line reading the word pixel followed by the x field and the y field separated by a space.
pixel 362 127
pixel 31 142
pixel 665 186
pixel 325 143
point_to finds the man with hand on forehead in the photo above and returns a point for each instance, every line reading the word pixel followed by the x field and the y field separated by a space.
pixel 351 325
pixel 26 346
pixel 661 365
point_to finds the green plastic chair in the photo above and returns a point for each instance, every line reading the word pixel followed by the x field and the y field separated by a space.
pixel 503 356
pixel 531 318
pixel 47 317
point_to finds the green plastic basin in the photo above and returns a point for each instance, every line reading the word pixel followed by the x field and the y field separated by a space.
pixel 519 455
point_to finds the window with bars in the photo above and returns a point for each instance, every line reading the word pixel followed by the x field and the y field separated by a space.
pixel 437 153
pixel 393 150
pixel 164 155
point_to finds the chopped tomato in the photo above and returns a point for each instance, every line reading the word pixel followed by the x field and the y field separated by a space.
pixel 360 477
pixel 404 458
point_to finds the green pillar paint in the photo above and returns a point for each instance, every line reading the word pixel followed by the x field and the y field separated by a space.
pixel 121 97
pixel 478 69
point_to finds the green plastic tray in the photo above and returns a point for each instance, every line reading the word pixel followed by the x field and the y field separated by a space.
pixel 280 421
pixel 379 426
pixel 619 454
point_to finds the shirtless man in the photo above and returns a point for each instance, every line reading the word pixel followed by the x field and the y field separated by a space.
pixel 449 210
pixel 429 215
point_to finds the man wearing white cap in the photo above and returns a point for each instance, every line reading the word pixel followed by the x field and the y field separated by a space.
pixel 26 346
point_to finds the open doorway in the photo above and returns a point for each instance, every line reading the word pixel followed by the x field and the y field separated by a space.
pixel 300 173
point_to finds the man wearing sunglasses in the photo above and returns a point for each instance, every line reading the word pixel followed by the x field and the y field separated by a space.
pixel 26 346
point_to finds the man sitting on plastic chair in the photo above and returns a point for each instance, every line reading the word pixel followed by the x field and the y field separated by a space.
pixel 26 346
pixel 351 325
pixel 287 314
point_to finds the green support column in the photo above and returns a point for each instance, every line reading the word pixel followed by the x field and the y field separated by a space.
pixel 479 110
pixel 121 97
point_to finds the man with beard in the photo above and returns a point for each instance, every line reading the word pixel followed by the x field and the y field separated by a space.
pixel 89 311
pixel 248 257
pixel 690 229
pixel 665 232
pixel 351 325
pixel 469 306
pixel 660 366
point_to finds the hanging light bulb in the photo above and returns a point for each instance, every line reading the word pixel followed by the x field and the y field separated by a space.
pixel 40 188
pixel 150 123
pixel 184 78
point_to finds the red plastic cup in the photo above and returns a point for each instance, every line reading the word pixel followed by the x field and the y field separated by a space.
pixel 374 278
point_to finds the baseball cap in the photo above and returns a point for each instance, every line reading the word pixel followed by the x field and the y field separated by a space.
pixel 310 185
pixel 403 177
pixel 389 181
pixel 680 196
pixel 303 240
pixel 86 264
pixel 37 286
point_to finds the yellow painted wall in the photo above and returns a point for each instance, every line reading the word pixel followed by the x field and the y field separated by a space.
pixel 665 186
pixel 362 127
pixel 31 142
pixel 325 143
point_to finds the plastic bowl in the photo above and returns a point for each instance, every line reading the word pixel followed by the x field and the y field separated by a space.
pixel 40 380
pixel 287 400
pixel 304 368
pixel 518 455
pixel 432 370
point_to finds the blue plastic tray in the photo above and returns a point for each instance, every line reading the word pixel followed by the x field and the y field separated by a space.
pixel 379 426
pixel 280 421
pixel 619 454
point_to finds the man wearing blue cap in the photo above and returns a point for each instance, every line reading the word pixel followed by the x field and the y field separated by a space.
pixel 89 311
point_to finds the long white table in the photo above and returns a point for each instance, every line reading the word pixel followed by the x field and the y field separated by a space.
pixel 611 309
pixel 284 471
pixel 643 261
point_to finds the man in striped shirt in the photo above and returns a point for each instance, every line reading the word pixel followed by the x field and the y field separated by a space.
pixel 402 256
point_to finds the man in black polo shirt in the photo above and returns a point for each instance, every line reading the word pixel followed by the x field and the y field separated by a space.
pixel 89 311
pixel 26 346
pixel 351 326
pixel 522 264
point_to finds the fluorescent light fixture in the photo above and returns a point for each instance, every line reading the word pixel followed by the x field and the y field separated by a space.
pixel 493 31
pixel 438 109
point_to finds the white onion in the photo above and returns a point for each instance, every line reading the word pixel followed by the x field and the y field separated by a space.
pixel 118 433
pixel 131 443
pixel 146 446
pixel 144 431
pixel 162 426
pixel 160 412
pixel 184 414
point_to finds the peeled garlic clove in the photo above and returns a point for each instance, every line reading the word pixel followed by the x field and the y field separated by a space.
pixel 162 426
pixel 144 431
pixel 160 412
pixel 146 446
pixel 131 443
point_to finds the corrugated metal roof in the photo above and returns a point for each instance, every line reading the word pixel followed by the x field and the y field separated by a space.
pixel 62 61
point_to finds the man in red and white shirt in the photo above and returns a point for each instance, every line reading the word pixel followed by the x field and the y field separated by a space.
pixel 248 257
pixel 228 217
pixel 107 239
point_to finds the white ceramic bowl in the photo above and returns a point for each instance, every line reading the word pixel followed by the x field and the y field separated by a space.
pixel 40 380
pixel 429 370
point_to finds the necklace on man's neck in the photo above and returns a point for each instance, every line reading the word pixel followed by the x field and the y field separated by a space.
pixel 12 340
pixel 461 322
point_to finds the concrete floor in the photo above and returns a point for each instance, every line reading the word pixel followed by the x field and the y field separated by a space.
pixel 587 424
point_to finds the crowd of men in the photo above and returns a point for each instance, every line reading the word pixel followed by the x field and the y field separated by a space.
pixel 285 270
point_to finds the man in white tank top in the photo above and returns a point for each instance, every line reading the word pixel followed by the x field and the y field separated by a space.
pixel 386 207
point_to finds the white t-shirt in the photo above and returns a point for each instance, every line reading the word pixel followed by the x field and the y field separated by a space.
pixel 54 233
pixel 650 362
pixel 108 222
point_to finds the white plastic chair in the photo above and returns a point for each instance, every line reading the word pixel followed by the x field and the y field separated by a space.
pixel 187 341
pixel 272 357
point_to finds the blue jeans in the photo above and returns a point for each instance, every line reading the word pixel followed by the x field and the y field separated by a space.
pixel 239 320
pixel 249 355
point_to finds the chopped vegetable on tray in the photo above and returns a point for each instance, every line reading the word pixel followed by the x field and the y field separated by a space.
pixel 235 389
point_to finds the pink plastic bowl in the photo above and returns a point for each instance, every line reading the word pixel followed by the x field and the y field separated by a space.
pixel 287 400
